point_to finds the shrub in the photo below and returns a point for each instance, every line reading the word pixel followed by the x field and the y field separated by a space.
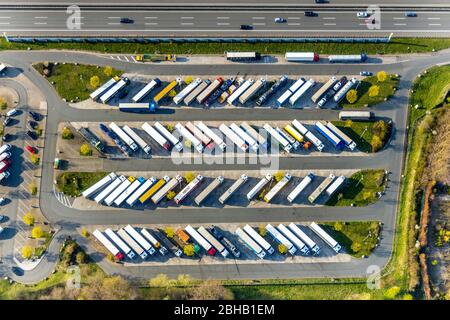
pixel 172 93
pixel 35 159
pixel 348 123
pixel 351 96
pixel 278 175
pixel 282 248
pixel 338 226
pixel 381 76
pixel 27 252
pixel 85 150
pixel 67 134
pixel 188 79
pixel 356 247
pixel 37 233
pixel 33 189
pixel 94 81
pixel 3 104
pixel 80 257
pixel 262 230
pixel 170 127
pixel 392 293
pixel 376 143
pixel 28 219
pixel 85 233
pixel 108 70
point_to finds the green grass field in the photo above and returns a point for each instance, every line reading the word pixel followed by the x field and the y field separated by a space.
pixel 360 189
pixel 386 91
pixel 72 82
pixel 397 45
pixel 73 183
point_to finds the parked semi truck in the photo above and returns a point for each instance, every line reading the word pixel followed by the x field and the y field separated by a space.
pixel 277 188
pixel 273 89
pixel 152 57
pixel 294 133
pixel 108 245
pixel 331 137
pixel 213 241
pixel 216 94
pixel 259 239
pixel 110 188
pixel 356 115
pixel 118 191
pixel 233 188
pixel 102 89
pixel 323 89
pixel 250 243
pixel 293 142
pixel 150 192
pixel 294 239
pixel 188 89
pixel 132 243
pixel 313 247
pixel 343 91
pixel 209 90
pixel 120 243
pixel 302 91
pixel 348 142
pixel 188 189
pixel 281 239
pixel 217 140
pixel 306 181
pixel 155 242
pixel 162 94
pixel 145 91
pixel 190 137
pixel 325 237
pixel 191 96
pixel 203 138
pixel 208 190
pixel 200 240
pixel 290 91
pixel 170 245
pixel 245 136
pixel 282 141
pixel 252 91
pixel 133 187
pixel 169 136
pixel 230 134
pixel 259 186
pixel 99 185
pixel 347 58
pixel 140 240
pixel 325 183
pixel 233 98
pixel 301 57
pixel 145 107
pixel 117 88
pixel 336 185
pixel 140 191
pixel 169 186
pixel 133 135
pixel 123 136
pixel 262 142
pixel 156 136
pixel 92 139
pixel 309 135
pixel 243 56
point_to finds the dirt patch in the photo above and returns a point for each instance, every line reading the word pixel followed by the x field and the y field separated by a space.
pixel 10 96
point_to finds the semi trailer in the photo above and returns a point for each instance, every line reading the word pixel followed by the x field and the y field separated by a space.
pixel 290 91
pixel 245 136
pixel 356 115
pixel 150 192
pixel 313 247
pixel 140 191
pixel 110 188
pixel 252 91
pixel 216 94
pixel 277 187
pixel 200 240
pixel 120 243
pixel 323 89
pixel 306 181
pixel 191 96
pixel 343 91
pixel 114 90
pixel 133 135
pixel 294 143
pixel 233 188
pixel 205 140
pixel 208 190
pixel 99 185
pixel 213 241
pixel 259 239
pixel 273 89
pixel 217 140
pixel 169 136
pixel 128 191
pixel 259 186
pixel 233 98
pixel 169 186
pixel 281 239
pixel 123 136
pixel 162 94
pixel 92 139
pixel 250 243
pixel 308 134
pixel 338 183
pixel 282 141
pixel 262 142
pixel 331 137
pixel 318 191
pixel 118 191
pixel 190 137
pixel 300 92
pixel 348 142
pixel 145 91
pixel 155 242
pixel 325 237
pixel 243 56
pixel 132 243
pixel 301 57
pixel 188 89
pixel 293 238
pixel 230 134
pixel 156 136
pixel 143 107
pixel 140 240
pixel 102 89
pixel 347 58
pixel 188 189
pixel 201 98
pixel 108 245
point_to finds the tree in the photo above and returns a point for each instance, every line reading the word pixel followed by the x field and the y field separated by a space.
pixel 356 247
pixel 3 104
pixel 351 96
pixel 66 134
pixel 108 70
pixel 408 296
pixel 187 143
pixel 392 293
pixel 381 76
pixel 188 79
pixel 262 230
pixel 184 280
pixel 33 189
pixel 28 219
pixel 376 143
pixel 160 281
pixel 338 226
pixel 211 290
pixel 37 233
pixel 172 93
pixel 169 232
pixel 85 150
pixel 278 175
pixel 171 195
pixel 170 127
pixel 282 248
pixel 189 176
pixel 374 91
pixel 84 232
pixel 381 129
pixel 110 288
pixel 35 159
pixel 94 81
pixel 80 257
pixel 348 123
pixel 189 250
pixel 27 252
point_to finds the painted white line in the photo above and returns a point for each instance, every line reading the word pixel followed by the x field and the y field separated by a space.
pixel 5 17
pixel 116 23
pixel 113 17
pixel 150 17
pixel 399 18
pixel 399 24
pixel 293 24
pixel 151 23
pixel 187 23
pixel 434 18
pixel 258 18
pixel 329 18
pixel 118 57
pixel 41 17
pixel 4 22
pixel 223 23
pixel 40 23
pixel 111 57
pixel 187 18
pixel 294 18
pixel 126 58
pixel 434 24
pixel 223 18
pixel 259 24
pixel 329 24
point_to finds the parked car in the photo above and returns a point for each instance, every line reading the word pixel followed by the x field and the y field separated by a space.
pixel 246 27
pixel 11 113
pixel 7 121
pixel 6 137
pixel 30 149
pixel 366 73
pixel 279 20
pixel 310 14
pixel 2 202
pixel 362 14
pixel 33 124
pixel 410 14
pixel 5 155
pixel 33 135
pixel 126 20
pixel 36 116
pixel 1 230
pixel 2 217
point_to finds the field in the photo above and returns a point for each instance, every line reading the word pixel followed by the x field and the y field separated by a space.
pixel 73 81
pixel 396 46
pixel 386 90
pixel 73 183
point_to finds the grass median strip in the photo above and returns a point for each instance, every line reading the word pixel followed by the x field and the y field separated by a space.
pixel 73 183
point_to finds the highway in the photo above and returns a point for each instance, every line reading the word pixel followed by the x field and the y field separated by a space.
pixel 384 210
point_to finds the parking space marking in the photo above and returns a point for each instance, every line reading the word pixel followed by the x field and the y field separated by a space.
pixel 126 58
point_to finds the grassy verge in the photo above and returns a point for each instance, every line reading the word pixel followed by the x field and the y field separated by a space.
pixel 73 81
pixel 360 189
pixel 73 183
pixel 386 90
pixel 362 132
pixel 398 45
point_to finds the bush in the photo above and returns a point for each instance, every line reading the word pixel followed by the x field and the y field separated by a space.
pixel 351 96
pixel 374 91
pixel 348 123
pixel 262 230
pixel 381 76
pixel 356 247
pixel 376 143
pixel 37 233
pixel 85 233
pixel 169 232
pixel 27 252
pixel 28 219
pixel 381 129
pixel 35 159
pixel 282 248
pixel 170 127
pixel 67 134
pixel 85 150
pixel 94 81
pixel 189 177
pixel 189 250
pixel 80 258
pixel 338 226
pixel 188 79
pixel 33 189
pixel 108 70
pixel 279 175
pixel 392 293
pixel 172 93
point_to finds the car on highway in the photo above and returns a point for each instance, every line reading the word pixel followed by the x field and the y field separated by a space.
pixel 410 14
pixel 33 135
pixel 33 124
pixel 310 14
pixel 366 73
pixel 320 1
pixel 126 20
pixel 11 113
pixel 246 27
pixel 362 14
pixel 36 116
pixel 279 20
pixel 7 121
pixel 6 137
pixel 30 149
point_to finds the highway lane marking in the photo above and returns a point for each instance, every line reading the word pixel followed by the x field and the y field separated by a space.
pixel 40 23
pixel 151 23
pixel 434 18
pixel 329 24
pixel 113 23
pixel 434 24
pixel 259 24
pixel 293 24
pixel 4 23
pixel 399 18
pixel 223 24
pixel 229 30
pixel 5 17
pixel 399 24
pixel 113 17
pixel 329 18
pixel 150 17
pixel 258 18
pixel 186 23
pixel 41 17
pixel 223 18
pixel 294 18
pixel 187 17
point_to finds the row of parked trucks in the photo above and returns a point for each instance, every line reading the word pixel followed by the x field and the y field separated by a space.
pixel 206 92
pixel 5 161
pixel 115 190
pixel 297 57
pixel 130 242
